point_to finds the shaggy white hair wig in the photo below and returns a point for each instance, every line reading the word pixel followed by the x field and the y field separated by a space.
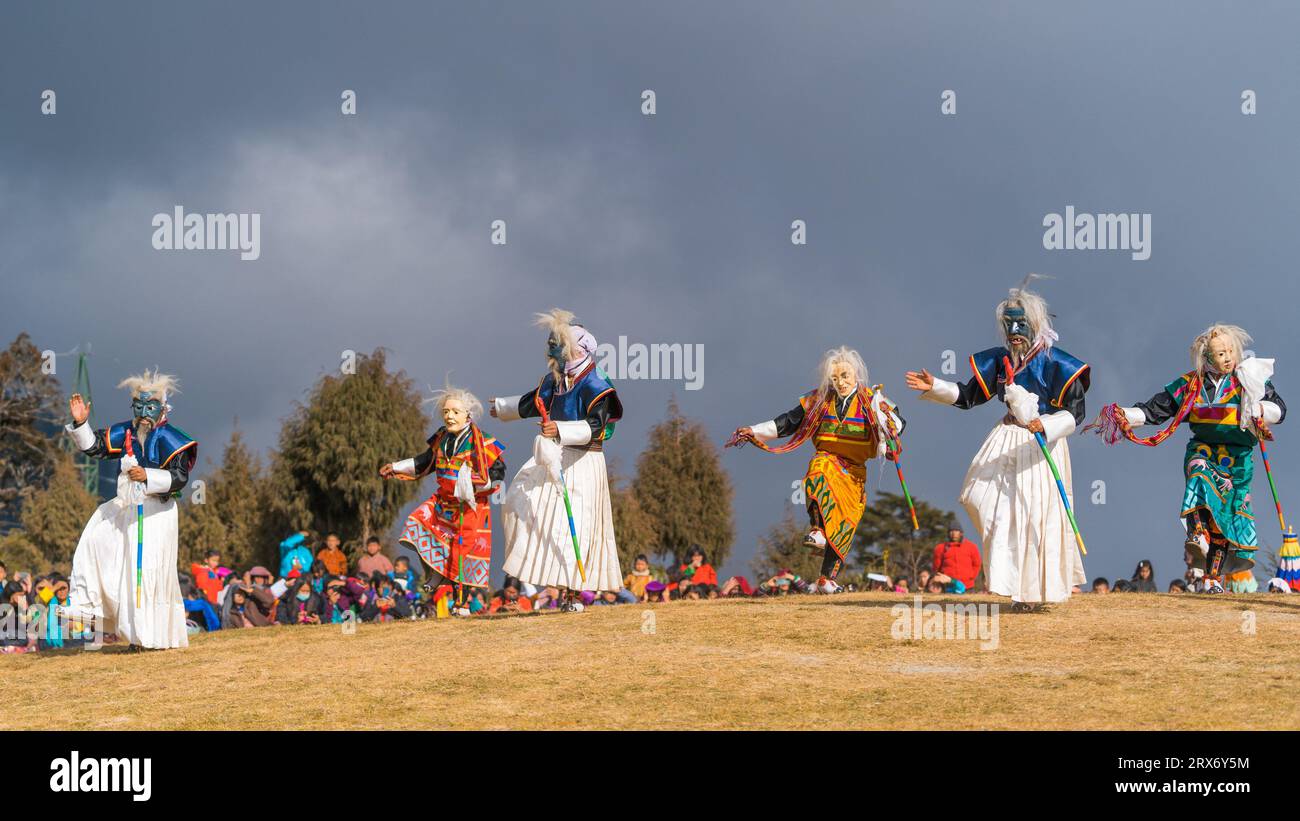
pixel 1237 338
pixel 842 355
pixel 1035 308
pixel 448 392
pixel 559 322
pixel 161 385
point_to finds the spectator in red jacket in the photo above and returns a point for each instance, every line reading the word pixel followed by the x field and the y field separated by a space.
pixel 957 558
pixel 205 575
pixel 697 575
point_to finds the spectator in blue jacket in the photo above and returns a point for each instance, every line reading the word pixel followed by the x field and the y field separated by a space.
pixel 293 548
pixel 199 609
pixel 403 575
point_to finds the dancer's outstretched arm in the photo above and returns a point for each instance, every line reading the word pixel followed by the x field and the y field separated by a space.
pixel 510 408
pixel 778 428
pixel 944 392
pixel 1155 411
pixel 414 468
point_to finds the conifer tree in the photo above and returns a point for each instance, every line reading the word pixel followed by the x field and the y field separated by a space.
pixel 681 485
pixel 634 529
pixel 782 548
pixel 227 512
pixel 31 409
pixel 325 473
pixel 53 516
pixel 885 542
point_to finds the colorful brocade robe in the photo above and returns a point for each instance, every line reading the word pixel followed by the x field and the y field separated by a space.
pixel 845 438
pixel 452 538
pixel 1218 464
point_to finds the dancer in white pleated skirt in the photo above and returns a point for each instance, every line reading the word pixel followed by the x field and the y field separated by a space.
pixel 1010 492
pixel 577 407
pixel 124 568
pixel 1011 497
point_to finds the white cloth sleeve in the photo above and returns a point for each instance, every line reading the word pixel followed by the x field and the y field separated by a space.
pixel 157 481
pixel 1271 412
pixel 574 433
pixel 1057 425
pixel 82 435
pixel 507 407
pixel 406 467
pixel 943 392
pixel 1135 416
pixel 764 430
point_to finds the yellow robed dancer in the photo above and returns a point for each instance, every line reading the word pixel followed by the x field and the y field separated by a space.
pixel 848 423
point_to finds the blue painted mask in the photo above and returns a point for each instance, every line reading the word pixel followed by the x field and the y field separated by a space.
pixel 555 348
pixel 1015 323
pixel 146 406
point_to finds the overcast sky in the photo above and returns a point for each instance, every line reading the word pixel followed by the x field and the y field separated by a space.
pixel 669 228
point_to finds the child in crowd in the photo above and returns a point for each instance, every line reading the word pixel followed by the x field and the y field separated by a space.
pixel 385 602
pixel 403 575
pixel 696 578
pixel 636 581
pixel 16 616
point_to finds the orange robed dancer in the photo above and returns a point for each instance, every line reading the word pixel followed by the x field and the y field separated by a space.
pixel 848 423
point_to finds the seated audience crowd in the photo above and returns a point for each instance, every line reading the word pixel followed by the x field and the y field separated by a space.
pixel 319 589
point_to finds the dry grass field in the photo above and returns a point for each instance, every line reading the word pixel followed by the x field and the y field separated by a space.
pixel 823 662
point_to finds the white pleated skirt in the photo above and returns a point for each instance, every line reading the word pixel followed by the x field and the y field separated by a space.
pixel 538 545
pixel 103 581
pixel 1010 494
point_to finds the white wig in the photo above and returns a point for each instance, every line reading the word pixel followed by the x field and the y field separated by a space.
pixel 160 385
pixel 841 355
pixel 1035 308
pixel 448 392
pixel 1236 337
pixel 578 345
pixel 559 322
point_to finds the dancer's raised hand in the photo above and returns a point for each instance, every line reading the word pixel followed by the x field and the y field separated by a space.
pixel 386 472
pixel 922 381
pixel 79 407
pixel 739 437
pixel 492 406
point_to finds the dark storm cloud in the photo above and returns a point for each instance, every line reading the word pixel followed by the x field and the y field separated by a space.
pixel 672 228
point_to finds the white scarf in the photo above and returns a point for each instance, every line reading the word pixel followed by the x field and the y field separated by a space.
pixel 1252 373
